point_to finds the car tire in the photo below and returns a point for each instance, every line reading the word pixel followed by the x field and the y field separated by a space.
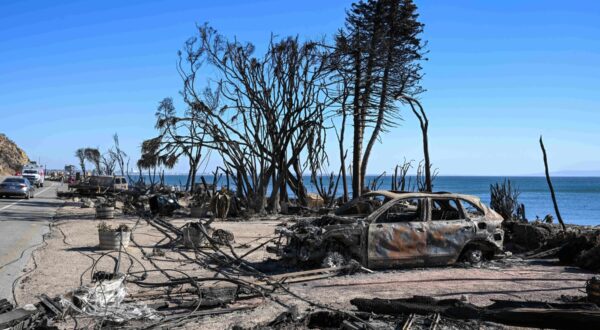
pixel 334 259
pixel 473 255
pixel 27 196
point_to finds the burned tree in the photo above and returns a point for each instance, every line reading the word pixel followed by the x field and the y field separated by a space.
pixel 119 156
pixel 179 136
pixel 560 220
pixel 399 181
pixel 93 156
pixel 419 112
pixel 425 177
pixel 378 51
pixel 108 163
pixel 266 113
pixel 80 154
pixel 151 163
pixel 342 97
pixel 104 163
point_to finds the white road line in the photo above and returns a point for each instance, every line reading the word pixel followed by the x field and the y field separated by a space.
pixel 20 200
pixel 9 205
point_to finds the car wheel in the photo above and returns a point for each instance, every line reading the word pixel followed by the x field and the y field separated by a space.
pixel 334 259
pixel 473 255
pixel 26 196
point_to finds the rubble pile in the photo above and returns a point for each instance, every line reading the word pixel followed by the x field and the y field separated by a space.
pixel 577 246
pixel 535 314
pixel 582 250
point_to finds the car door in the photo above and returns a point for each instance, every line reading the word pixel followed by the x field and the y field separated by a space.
pixel 449 230
pixel 398 234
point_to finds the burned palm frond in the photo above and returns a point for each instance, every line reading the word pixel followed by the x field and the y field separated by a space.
pixel 151 145
pixel 180 136
pixel 80 154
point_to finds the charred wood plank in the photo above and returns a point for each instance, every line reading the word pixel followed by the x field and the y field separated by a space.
pixel 16 316
pixel 555 316
pixel 51 305
pixel 546 318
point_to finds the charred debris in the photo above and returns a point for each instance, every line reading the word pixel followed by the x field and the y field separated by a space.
pixel 320 239
pixel 343 241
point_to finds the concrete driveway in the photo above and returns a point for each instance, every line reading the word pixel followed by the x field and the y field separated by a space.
pixel 22 226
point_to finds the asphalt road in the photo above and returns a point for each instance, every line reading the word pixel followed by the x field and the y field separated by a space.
pixel 22 226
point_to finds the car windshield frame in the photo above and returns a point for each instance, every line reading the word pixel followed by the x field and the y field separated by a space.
pixel 364 199
pixel 383 209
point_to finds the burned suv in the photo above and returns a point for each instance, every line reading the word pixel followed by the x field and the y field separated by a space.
pixel 384 229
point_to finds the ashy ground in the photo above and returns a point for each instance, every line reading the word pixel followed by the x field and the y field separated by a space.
pixel 66 263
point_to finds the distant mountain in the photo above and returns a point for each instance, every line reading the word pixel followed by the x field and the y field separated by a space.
pixel 572 173
pixel 576 173
pixel 12 158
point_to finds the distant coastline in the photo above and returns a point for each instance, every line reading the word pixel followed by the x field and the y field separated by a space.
pixel 562 174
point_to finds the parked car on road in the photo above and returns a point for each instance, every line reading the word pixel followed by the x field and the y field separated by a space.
pixel 384 229
pixel 16 186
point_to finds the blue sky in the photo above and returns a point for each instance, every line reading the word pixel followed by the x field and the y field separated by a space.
pixel 500 73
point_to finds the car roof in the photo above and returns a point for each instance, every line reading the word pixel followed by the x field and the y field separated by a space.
pixel 396 195
pixel 402 194
pixel 14 177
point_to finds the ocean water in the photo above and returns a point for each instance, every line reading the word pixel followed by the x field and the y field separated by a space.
pixel 578 197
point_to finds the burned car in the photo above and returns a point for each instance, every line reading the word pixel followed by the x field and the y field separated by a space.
pixel 384 229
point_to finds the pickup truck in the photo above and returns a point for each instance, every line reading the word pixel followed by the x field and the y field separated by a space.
pixel 35 174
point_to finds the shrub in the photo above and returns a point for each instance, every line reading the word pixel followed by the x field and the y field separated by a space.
pixel 505 199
